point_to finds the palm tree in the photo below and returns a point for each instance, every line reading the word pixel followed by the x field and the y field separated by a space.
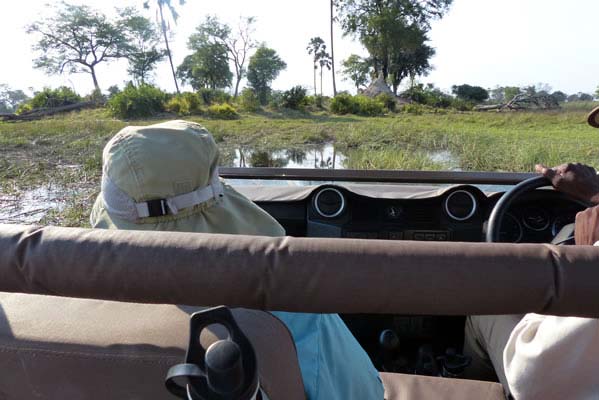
pixel 315 47
pixel 174 15
pixel 324 60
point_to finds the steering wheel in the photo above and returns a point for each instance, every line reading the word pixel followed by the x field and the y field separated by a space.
pixel 500 209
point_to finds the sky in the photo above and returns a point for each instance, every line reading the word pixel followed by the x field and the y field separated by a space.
pixel 479 42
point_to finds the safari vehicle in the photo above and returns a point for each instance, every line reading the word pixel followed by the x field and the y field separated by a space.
pixel 93 314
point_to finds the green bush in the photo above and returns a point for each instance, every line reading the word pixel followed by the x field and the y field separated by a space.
pixel 222 111
pixel 138 102
pixel 387 100
pixel 214 96
pixel 96 96
pixel 248 100
pixel 184 104
pixel 414 108
pixel 368 107
pixel 23 108
pixel 345 103
pixel 275 99
pixel 462 105
pixel 51 98
pixel 428 95
pixel 294 98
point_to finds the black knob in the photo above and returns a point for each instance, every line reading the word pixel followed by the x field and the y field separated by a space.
pixel 224 367
pixel 389 340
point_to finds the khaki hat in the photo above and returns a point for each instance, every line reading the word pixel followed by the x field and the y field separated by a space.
pixel 165 177
pixel 593 117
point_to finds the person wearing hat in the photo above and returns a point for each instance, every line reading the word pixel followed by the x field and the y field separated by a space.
pixel 542 356
pixel 164 177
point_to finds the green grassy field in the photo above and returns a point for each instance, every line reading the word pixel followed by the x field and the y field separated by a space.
pixel 66 151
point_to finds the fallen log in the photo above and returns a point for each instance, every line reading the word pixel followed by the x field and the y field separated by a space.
pixel 44 112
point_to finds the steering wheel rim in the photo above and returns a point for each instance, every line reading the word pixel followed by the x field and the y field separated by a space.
pixel 504 203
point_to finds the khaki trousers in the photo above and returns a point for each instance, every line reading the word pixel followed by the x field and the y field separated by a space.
pixel 485 338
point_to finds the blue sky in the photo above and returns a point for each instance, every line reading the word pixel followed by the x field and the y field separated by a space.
pixel 480 42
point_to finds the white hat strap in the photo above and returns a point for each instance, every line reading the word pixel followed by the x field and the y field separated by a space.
pixel 121 205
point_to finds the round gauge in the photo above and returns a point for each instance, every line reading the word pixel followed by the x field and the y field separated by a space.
pixel 560 222
pixel 511 229
pixel 535 219
pixel 329 203
pixel 460 205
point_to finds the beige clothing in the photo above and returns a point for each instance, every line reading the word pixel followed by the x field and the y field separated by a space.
pixel 538 356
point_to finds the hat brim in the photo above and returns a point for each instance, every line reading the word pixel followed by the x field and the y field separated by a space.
pixel 593 117
pixel 232 214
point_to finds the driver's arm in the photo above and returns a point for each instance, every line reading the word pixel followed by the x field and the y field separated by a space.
pixel 577 180
pixel 556 357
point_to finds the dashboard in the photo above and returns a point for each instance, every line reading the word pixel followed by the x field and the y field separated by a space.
pixel 458 213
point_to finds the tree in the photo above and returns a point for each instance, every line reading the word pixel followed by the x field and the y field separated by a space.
pixel 324 60
pixel 143 39
pixel 332 19
pixel 315 48
pixel 321 58
pixel 509 92
pixel 238 46
pixel 585 97
pixel 466 92
pixel 356 69
pixel 409 59
pixel 392 31
pixel 207 67
pixel 166 27
pixel 559 96
pixel 76 39
pixel 264 66
pixel 10 99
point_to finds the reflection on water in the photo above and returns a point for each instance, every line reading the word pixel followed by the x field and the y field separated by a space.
pixel 328 156
pixel 325 156
pixel 32 205
pixel 446 158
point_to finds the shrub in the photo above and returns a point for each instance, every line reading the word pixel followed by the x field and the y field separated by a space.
pixel 368 107
pixel 294 98
pixel 347 104
pixel 222 111
pixel 462 105
pixel 343 103
pixel 428 95
pixel 387 100
pixel 248 100
pixel 51 98
pixel 137 102
pixel 23 107
pixel 184 104
pixel 415 108
pixel 214 96
pixel 96 96
pixel 317 101
pixel 275 99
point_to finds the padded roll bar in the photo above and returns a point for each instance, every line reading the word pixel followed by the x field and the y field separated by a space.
pixel 300 274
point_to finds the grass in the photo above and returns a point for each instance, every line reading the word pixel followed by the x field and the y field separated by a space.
pixel 66 150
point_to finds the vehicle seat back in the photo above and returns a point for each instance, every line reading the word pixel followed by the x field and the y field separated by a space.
pixel 405 387
pixel 68 348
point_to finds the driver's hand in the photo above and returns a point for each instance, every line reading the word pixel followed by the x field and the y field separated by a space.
pixel 578 180
pixel 587 227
